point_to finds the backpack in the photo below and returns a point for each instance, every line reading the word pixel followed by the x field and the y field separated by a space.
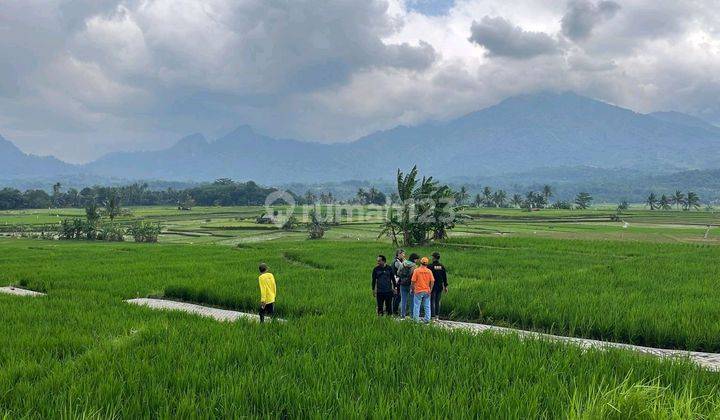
pixel 405 275
pixel 394 267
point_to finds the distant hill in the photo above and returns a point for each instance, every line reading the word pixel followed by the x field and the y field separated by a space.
pixel 684 119
pixel 14 164
pixel 519 135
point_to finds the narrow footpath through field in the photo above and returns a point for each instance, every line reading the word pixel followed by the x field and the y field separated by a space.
pixel 215 313
pixel 10 290
pixel 710 361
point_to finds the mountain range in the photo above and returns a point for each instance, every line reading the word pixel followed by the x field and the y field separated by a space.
pixel 521 134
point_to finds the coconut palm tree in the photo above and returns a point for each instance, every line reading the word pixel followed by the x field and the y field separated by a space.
pixel 112 205
pixel 664 202
pixel 499 198
pixel 692 201
pixel 487 196
pixel 516 200
pixel 678 198
pixel 547 192
pixel 56 195
pixel 478 200
pixel 462 195
pixel 405 188
pixel 651 201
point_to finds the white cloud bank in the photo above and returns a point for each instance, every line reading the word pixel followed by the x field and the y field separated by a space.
pixel 86 77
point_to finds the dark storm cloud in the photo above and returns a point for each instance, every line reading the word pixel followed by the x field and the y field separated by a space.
pixel 503 39
pixel 85 77
pixel 583 15
pixel 113 65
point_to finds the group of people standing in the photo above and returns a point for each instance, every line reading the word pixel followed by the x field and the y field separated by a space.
pixel 409 285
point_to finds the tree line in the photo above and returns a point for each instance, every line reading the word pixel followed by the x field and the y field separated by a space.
pixel 687 201
pixel 222 192
pixel 529 201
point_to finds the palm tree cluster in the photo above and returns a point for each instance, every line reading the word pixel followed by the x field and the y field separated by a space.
pixel 371 196
pixel 424 210
pixel 499 198
pixel 532 200
pixel 689 201
pixel 490 198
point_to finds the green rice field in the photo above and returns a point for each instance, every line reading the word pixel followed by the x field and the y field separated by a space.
pixel 81 351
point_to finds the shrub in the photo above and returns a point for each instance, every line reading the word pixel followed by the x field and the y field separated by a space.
pixel 290 223
pixel 145 232
pixel 75 229
pixel 316 229
pixel 88 230
pixel 111 232
pixel 316 232
pixel 562 205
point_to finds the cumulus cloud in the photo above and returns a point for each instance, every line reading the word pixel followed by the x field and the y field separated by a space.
pixel 583 15
pixel 84 77
pixel 501 38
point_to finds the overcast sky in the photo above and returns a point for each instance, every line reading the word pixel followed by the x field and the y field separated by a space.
pixel 80 78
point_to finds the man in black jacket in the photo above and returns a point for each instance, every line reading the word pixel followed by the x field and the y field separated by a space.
pixel 383 285
pixel 440 285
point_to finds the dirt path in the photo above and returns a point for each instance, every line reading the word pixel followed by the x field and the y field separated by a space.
pixel 709 361
pixel 10 290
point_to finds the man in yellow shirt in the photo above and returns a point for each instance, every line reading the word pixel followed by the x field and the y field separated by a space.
pixel 267 292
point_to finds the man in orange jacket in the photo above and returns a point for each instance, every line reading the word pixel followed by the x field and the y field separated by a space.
pixel 422 284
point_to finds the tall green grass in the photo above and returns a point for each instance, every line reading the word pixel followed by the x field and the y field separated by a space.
pixel 82 351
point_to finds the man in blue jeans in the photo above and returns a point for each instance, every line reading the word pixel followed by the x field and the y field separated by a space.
pixel 396 267
pixel 422 284
pixel 405 275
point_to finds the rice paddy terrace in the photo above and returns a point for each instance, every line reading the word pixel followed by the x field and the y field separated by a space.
pixel 81 350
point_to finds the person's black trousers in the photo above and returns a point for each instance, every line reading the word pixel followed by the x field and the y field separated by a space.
pixel 435 302
pixel 268 310
pixel 384 303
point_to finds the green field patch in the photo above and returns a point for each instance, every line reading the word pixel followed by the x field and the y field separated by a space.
pixel 299 259
pixel 220 300
pixel 72 352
